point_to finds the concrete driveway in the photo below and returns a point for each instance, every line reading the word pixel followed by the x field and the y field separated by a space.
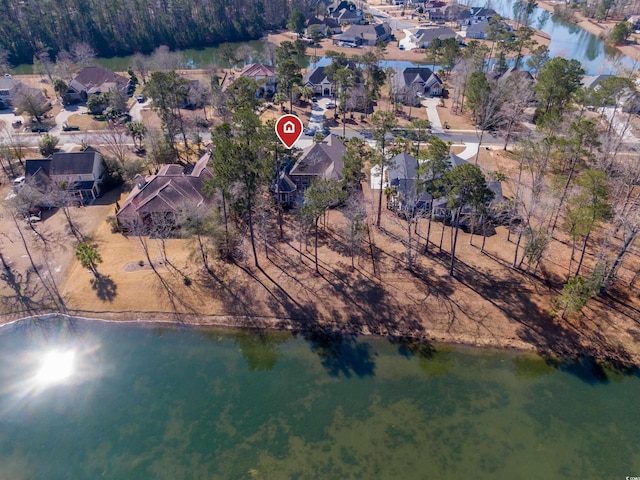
pixel 64 115
pixel 136 110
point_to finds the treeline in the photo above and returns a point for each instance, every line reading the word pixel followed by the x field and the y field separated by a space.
pixel 118 27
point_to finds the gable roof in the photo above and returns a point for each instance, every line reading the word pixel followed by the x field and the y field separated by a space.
pixel 322 159
pixel 96 78
pixel 258 70
pixel 7 83
pixel 482 12
pixel 592 81
pixel 73 163
pixel 429 34
pixel 478 27
pixel 368 31
pixel 410 75
pixel 403 166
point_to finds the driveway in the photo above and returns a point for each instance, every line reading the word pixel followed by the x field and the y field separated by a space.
pixel 406 43
pixel 431 105
pixel 136 110
pixel 8 117
pixel 316 121
pixel 64 115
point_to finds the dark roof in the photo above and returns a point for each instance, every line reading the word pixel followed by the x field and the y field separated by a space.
pixel 32 166
pixel 285 184
pixel 482 12
pixel 315 76
pixel 75 163
pixel 322 159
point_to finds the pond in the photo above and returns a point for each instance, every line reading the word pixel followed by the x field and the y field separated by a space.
pixel 88 400
pixel 571 41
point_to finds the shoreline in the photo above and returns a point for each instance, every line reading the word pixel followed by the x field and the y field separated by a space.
pixel 594 28
pixel 234 322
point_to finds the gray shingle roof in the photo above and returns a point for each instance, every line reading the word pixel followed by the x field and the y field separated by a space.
pixel 322 159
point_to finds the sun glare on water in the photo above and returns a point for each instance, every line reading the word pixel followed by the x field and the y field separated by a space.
pixel 56 367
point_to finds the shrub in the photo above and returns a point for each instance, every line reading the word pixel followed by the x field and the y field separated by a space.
pixel 48 144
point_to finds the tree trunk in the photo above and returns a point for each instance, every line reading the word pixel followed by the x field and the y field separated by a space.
pixel 515 256
pixel 479 143
pixel 455 240
pixel 426 246
pixel 316 244
pixel 380 195
pixel 564 195
pixel 618 261
pixel 251 233
pixel 584 249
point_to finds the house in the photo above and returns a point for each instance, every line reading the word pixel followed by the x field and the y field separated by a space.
pixel 8 90
pixel 328 26
pixel 592 81
pixel 412 82
pixel 285 189
pixel 634 20
pixel 424 36
pixel 80 173
pixel 482 13
pixel 627 98
pixel 320 82
pixel 344 12
pixel 94 80
pixel 320 160
pixel 435 10
pixel 403 178
pixel 521 77
pixel 477 30
pixel 346 17
pixel 367 34
pixel 165 194
pixel 265 75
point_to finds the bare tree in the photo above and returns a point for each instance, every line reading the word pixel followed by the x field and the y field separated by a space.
pixel 5 65
pixel 42 63
pixel 519 95
pixel 32 102
pixel 140 65
pixel 164 60
pixel 83 54
pixel 65 67
pixel 115 141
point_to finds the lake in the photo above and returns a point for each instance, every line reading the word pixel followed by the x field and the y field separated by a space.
pixel 570 41
pixel 87 400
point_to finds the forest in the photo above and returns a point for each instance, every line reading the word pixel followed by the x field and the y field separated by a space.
pixel 119 27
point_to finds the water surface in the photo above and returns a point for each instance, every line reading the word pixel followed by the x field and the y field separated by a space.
pixel 148 401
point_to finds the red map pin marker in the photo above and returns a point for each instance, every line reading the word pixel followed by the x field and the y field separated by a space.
pixel 289 129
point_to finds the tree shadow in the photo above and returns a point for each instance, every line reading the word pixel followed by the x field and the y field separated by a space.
pixel 105 288
pixel 577 347
pixel 341 353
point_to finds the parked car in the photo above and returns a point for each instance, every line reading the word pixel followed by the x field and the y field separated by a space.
pixel 310 131
pixel 331 105
pixel 69 128
pixel 140 98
